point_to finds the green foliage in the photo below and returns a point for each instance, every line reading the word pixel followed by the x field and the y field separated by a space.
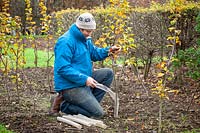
pixel 192 131
pixel 4 130
pixel 42 58
pixel 197 27
pixel 190 59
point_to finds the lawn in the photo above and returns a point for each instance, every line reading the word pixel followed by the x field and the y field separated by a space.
pixel 4 130
pixel 42 58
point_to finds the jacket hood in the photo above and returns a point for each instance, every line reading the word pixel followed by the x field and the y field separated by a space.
pixel 77 33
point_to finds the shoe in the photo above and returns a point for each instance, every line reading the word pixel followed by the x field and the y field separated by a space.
pixel 55 105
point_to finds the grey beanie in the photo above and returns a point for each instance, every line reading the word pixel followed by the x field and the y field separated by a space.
pixel 86 21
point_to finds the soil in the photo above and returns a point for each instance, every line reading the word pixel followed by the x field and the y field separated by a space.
pixel 26 110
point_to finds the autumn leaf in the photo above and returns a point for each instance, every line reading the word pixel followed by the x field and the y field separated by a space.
pixel 174 91
pixel 161 65
pixel 160 75
pixel 171 29
pixel 170 38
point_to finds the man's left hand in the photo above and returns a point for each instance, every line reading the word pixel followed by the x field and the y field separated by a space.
pixel 114 49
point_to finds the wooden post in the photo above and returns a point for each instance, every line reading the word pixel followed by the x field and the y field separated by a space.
pixel 116 106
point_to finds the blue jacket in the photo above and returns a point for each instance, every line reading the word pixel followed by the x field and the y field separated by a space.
pixel 73 59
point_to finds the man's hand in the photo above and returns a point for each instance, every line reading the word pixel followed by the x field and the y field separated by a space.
pixel 114 49
pixel 91 82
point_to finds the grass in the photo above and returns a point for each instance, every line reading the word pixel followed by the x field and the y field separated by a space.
pixel 192 131
pixel 4 130
pixel 42 58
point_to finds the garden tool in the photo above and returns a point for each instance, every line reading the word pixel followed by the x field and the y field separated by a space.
pixel 112 94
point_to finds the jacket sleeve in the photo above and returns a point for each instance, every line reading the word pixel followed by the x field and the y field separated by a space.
pixel 96 53
pixel 63 57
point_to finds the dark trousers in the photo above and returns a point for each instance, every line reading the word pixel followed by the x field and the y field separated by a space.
pixel 86 100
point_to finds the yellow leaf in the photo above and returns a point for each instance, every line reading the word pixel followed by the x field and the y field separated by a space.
pixel 50 37
pixel 160 82
pixel 160 75
pixel 178 32
pixel 174 91
pixel 173 22
pixel 161 65
pixel 112 27
pixel 169 45
pixel 117 31
pixel 104 45
pixel 167 97
pixel 170 38
pixel 32 23
pixel 165 69
pixel 1 45
pixel 169 78
pixel 154 89
pixel 171 29
pixel 33 45
pixel 97 42
pixel 175 59
pixel 162 95
pixel 15 45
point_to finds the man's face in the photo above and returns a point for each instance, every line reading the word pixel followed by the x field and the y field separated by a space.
pixel 86 33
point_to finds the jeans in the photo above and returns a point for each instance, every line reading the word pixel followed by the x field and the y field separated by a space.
pixel 85 100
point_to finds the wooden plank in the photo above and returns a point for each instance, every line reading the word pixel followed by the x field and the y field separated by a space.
pixel 72 123
pixel 94 122
pixel 78 120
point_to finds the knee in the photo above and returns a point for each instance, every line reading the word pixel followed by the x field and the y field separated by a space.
pixel 109 72
pixel 64 107
pixel 98 114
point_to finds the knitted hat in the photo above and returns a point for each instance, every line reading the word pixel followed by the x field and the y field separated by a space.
pixel 86 21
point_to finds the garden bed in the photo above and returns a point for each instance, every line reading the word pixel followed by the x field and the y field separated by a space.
pixel 137 113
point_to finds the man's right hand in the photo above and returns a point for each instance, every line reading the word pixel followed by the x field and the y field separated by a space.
pixel 91 82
